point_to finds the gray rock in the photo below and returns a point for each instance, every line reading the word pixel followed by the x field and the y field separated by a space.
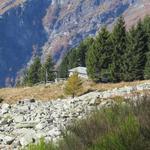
pixel 40 126
pixel 26 125
pixel 28 138
pixel 5 108
pixel 5 139
pixel 54 132
pixel 18 119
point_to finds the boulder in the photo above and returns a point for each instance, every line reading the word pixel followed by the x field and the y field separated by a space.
pixel 5 108
pixel 28 137
pixel 6 139
pixel 26 125
pixel 18 119
pixel 40 126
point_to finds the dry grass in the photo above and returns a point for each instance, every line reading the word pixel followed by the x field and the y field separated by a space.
pixel 54 91
pixel 41 92
pixel 109 86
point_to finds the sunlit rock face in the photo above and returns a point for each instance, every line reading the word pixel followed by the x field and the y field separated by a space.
pixel 30 27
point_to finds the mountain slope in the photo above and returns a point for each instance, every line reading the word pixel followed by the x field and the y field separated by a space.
pixel 8 4
pixel 136 12
pixel 70 22
pixel 22 35
pixel 30 27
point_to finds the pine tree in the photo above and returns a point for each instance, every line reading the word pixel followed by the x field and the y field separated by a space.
pixel 34 72
pixel 75 57
pixel 63 68
pixel 146 25
pixel 119 46
pixel 141 42
pixel 99 56
pixel 147 67
pixel 130 57
pixel 135 55
pixel 82 51
pixel 104 47
pixel 73 85
pixel 48 73
pixel 72 58
pixel 92 62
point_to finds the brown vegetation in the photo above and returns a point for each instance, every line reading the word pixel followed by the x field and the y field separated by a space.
pixel 54 91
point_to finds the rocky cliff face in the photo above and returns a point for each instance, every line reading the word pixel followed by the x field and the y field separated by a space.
pixel 28 27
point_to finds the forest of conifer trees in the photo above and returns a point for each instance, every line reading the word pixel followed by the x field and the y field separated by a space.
pixel 119 55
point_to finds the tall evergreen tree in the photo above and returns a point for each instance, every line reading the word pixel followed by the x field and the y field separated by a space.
pixel 34 72
pixel 130 57
pixel 82 51
pixel 92 62
pixel 48 73
pixel 135 54
pixel 146 25
pixel 63 68
pixel 75 57
pixel 99 56
pixel 72 58
pixel 119 46
pixel 141 42
pixel 104 47
pixel 147 67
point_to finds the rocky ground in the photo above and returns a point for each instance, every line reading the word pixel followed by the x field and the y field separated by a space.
pixel 29 120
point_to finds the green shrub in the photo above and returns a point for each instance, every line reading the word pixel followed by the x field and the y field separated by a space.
pixel 118 99
pixel 42 145
pixel 142 113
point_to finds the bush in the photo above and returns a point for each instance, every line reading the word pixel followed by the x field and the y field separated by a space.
pixel 142 113
pixel 118 99
pixel 42 145
pixel 123 138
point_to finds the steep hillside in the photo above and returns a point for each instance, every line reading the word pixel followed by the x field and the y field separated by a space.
pixel 8 4
pixel 136 12
pixel 28 27
pixel 22 35
pixel 71 21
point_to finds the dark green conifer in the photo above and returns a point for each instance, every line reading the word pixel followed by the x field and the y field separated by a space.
pixel 147 67
pixel 82 51
pixel 119 46
pixel 34 72
pixel 63 68
pixel 130 57
pixel 48 73
pixel 99 56
pixel 135 54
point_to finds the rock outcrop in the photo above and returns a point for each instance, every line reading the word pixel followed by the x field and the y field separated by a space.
pixel 29 120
